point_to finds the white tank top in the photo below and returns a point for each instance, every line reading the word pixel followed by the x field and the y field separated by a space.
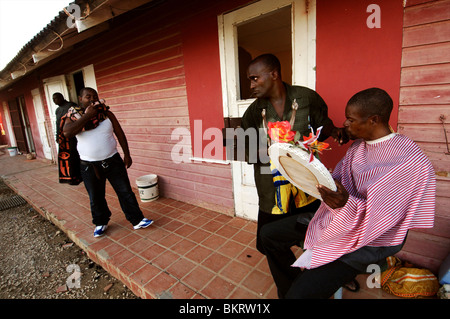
pixel 97 144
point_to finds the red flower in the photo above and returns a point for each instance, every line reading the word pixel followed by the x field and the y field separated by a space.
pixel 280 131
pixel 313 145
pixel 322 146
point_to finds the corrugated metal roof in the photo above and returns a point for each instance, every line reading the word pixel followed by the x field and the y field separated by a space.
pixel 25 54
pixel 57 28
pixel 60 17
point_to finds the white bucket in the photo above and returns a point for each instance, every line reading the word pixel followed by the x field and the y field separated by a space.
pixel 12 151
pixel 148 187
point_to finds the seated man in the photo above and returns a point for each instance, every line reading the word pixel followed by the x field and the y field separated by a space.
pixel 385 186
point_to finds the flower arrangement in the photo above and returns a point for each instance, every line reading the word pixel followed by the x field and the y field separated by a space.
pixel 281 132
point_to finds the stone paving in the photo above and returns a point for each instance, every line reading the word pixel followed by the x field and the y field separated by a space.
pixel 188 253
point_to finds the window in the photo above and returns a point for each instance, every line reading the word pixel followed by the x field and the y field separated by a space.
pixel 268 33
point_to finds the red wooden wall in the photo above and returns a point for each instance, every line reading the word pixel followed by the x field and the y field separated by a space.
pixel 24 87
pixel 143 78
pixel 160 71
pixel 140 72
pixel 424 97
pixel 351 57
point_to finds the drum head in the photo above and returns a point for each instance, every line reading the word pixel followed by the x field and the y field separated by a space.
pixel 293 163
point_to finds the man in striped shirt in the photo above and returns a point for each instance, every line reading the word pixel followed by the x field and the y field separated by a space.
pixel 385 186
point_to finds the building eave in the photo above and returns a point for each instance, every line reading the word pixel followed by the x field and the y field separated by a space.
pixel 59 36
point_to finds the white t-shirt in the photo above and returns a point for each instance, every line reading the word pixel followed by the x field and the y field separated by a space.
pixel 97 144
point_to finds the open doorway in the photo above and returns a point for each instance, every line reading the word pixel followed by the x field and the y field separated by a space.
pixel 268 33
pixel 79 79
pixel 21 125
pixel 75 82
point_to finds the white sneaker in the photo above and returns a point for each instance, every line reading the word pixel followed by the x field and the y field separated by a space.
pixel 143 223
pixel 100 230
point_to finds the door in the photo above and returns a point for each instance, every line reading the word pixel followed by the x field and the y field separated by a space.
pixel 79 79
pixel 26 124
pixel 17 126
pixel 285 28
pixel 21 125
pixel 51 86
pixel 42 125
pixel 9 125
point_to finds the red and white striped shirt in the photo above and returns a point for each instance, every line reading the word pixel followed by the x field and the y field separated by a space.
pixel 392 188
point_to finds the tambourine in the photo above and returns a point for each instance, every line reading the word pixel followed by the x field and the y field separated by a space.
pixel 294 164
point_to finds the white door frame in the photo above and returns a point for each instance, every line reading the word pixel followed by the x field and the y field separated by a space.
pixel 12 137
pixel 88 78
pixel 42 124
pixel 303 21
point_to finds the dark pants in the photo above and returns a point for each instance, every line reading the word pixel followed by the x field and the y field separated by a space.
pixel 265 218
pixel 277 238
pixel 95 175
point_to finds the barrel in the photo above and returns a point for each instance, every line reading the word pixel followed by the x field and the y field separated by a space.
pixel 148 187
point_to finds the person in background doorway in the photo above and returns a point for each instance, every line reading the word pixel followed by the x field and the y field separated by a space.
pixel 61 110
pixel 68 157
pixel 95 126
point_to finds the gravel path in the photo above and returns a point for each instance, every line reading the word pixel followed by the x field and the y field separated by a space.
pixel 38 261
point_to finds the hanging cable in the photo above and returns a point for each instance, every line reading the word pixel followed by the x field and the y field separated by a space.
pixel 62 43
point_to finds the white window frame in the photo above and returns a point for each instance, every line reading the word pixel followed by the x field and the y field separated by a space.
pixel 303 65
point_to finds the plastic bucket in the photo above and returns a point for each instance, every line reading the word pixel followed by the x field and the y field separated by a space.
pixel 148 187
pixel 12 151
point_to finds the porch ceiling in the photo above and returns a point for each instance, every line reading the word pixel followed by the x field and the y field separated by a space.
pixel 58 38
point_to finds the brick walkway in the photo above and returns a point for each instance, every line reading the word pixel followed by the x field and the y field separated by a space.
pixel 189 252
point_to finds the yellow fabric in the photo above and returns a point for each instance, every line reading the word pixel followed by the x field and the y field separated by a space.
pixel 408 282
pixel 283 192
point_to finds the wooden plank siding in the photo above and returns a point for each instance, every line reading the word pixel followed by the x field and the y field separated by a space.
pixel 424 97
pixel 140 72
pixel 143 81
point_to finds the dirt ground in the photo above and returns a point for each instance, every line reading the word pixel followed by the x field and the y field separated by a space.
pixel 38 261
